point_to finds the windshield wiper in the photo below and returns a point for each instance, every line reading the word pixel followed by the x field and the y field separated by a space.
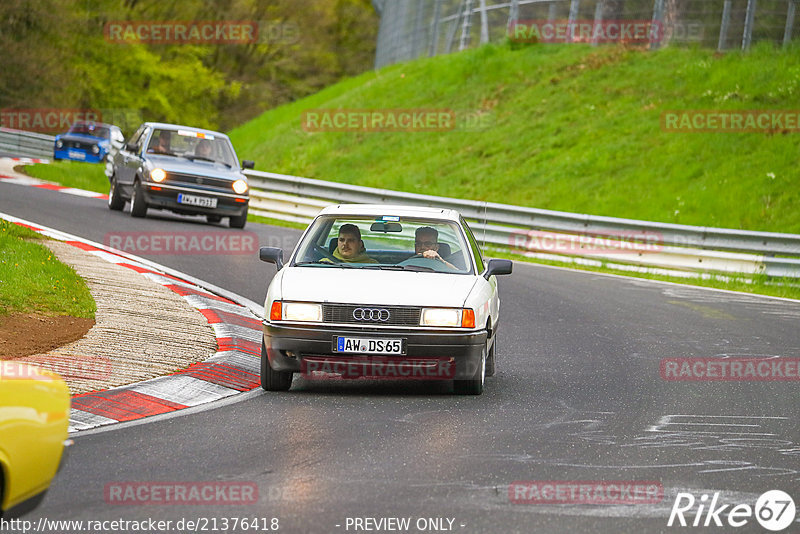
pixel 418 268
pixel 385 267
pixel 193 157
pixel 320 262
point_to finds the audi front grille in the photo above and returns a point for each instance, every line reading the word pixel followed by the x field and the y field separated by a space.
pixel 369 314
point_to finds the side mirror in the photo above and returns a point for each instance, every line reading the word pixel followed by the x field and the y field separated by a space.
pixel 273 255
pixel 247 164
pixel 497 267
pixel 130 147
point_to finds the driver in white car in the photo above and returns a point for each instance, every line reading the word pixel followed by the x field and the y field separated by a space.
pixel 426 243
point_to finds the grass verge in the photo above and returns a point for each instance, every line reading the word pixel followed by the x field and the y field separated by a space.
pixel 563 127
pixel 87 176
pixel 32 280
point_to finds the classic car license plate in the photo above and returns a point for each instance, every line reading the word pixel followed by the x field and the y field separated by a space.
pixel 365 345
pixel 191 200
pixel 74 154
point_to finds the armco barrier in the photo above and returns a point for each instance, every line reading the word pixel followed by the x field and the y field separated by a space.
pixel 691 248
pixel 26 144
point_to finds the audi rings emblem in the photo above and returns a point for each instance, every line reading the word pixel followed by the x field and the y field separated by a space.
pixel 371 314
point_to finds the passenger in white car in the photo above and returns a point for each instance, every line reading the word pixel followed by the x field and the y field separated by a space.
pixel 350 247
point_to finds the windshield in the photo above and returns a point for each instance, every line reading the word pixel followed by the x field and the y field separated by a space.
pixel 385 242
pixel 85 128
pixel 192 145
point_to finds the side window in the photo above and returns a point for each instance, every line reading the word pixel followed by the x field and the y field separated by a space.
pixel 476 251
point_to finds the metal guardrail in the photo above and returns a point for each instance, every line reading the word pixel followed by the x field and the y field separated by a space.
pixel 26 144
pixel 682 247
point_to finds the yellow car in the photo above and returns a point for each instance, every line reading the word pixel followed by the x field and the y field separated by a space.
pixel 34 418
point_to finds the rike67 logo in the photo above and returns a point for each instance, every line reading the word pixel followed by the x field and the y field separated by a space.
pixel 774 510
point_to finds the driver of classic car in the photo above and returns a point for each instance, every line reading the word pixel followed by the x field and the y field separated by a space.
pixel 161 145
pixel 203 149
pixel 426 244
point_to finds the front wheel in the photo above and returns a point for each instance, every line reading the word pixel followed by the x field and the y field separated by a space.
pixel 238 221
pixel 474 385
pixel 115 200
pixel 138 204
pixel 273 380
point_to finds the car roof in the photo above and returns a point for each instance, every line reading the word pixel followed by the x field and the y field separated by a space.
pixel 166 126
pixel 94 123
pixel 373 210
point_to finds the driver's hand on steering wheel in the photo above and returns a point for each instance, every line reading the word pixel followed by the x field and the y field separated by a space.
pixel 432 254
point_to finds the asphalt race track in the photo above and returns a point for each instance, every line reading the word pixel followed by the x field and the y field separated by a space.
pixel 578 397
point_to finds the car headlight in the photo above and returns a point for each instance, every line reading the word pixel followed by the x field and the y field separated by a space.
pixel 59 143
pixel 240 187
pixel 95 149
pixel 451 317
pixel 158 175
pixel 308 312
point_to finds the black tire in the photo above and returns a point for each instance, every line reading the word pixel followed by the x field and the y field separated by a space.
pixel 240 221
pixel 273 380
pixel 474 385
pixel 138 204
pixel 115 200
pixel 490 359
pixel 213 218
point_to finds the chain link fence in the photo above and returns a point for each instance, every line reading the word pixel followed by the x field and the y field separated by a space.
pixel 415 28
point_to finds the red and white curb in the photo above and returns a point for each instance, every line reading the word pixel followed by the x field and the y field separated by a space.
pixel 42 184
pixel 28 160
pixel 234 368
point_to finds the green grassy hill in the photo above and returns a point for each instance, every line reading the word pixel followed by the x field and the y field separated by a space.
pixel 563 127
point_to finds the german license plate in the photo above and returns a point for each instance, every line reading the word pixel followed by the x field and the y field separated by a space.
pixel 366 345
pixel 74 154
pixel 192 200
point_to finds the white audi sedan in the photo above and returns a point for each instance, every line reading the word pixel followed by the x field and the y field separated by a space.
pixel 382 291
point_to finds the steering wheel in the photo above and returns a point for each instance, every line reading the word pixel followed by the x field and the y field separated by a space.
pixel 327 254
pixel 421 261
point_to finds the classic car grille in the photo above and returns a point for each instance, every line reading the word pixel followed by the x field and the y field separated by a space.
pixel 203 181
pixel 78 144
pixel 372 314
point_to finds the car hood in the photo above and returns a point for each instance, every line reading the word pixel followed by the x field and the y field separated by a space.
pixel 82 138
pixel 197 167
pixel 368 286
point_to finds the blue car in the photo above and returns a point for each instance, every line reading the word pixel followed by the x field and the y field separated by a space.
pixel 91 142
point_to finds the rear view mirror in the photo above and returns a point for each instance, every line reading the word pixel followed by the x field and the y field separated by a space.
pixel 271 255
pixel 381 226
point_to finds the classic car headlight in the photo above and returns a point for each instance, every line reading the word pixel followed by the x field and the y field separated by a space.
pixel 95 149
pixel 240 187
pixel 158 175
pixel 296 311
pixel 453 317
pixel 59 143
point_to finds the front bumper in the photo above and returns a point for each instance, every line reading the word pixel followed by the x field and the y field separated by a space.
pixel 299 348
pixel 78 154
pixel 165 196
